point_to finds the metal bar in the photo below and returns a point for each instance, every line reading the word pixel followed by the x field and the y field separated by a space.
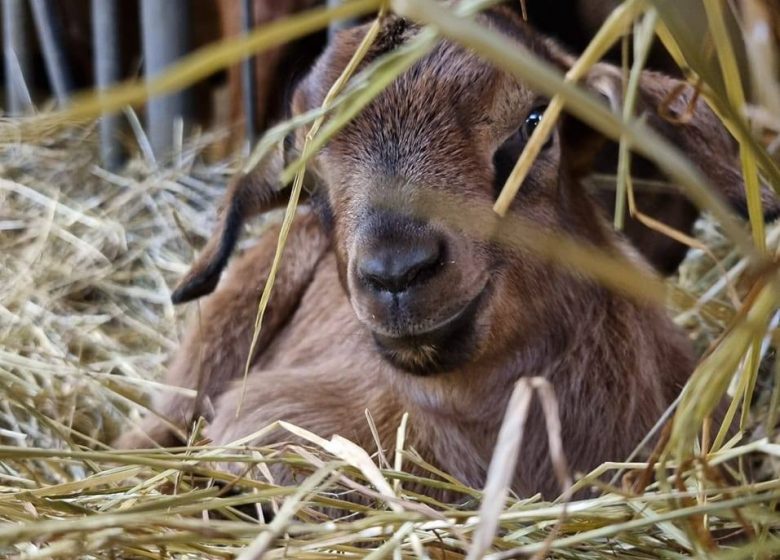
pixel 336 26
pixel 16 57
pixel 53 51
pixel 249 77
pixel 105 48
pixel 164 38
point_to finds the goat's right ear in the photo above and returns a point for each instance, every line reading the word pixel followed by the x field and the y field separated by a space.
pixel 673 108
pixel 247 195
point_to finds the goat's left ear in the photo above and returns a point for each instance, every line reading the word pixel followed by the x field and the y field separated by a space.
pixel 247 195
pixel 673 108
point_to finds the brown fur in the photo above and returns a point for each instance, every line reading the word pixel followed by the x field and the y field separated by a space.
pixel 334 345
pixel 214 349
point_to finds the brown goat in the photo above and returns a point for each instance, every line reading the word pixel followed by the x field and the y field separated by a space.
pixel 379 305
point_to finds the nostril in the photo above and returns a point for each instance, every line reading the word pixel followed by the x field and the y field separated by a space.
pixel 421 264
pixel 394 269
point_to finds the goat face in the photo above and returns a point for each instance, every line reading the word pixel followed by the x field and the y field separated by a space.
pixel 434 292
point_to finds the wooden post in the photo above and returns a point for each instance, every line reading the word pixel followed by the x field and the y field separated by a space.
pixel 53 51
pixel 16 57
pixel 164 37
pixel 105 48
pixel 249 78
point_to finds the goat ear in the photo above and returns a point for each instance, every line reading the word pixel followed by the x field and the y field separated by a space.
pixel 247 195
pixel 674 109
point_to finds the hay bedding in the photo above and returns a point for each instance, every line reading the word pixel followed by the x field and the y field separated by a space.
pixel 86 327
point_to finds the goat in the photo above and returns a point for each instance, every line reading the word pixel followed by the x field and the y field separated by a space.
pixel 381 306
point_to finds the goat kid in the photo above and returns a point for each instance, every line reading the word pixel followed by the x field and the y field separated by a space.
pixel 381 306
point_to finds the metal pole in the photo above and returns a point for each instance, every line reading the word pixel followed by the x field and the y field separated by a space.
pixel 53 52
pixel 16 57
pixel 105 49
pixel 249 77
pixel 164 37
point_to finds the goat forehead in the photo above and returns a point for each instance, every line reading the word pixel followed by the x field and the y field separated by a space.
pixel 448 84
pixel 445 116
pixel 437 111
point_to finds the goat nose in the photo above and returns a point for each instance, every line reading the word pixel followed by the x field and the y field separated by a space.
pixel 395 269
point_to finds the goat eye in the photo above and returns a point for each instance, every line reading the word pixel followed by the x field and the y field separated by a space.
pixel 506 156
pixel 531 122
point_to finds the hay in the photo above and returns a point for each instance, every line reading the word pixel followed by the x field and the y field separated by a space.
pixel 86 327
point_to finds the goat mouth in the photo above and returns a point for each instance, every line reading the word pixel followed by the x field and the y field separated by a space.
pixel 440 349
